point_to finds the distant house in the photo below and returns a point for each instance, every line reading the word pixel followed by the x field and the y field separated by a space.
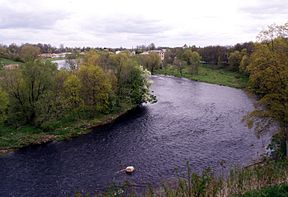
pixel 145 53
pixel 131 53
pixel 11 66
pixel 161 53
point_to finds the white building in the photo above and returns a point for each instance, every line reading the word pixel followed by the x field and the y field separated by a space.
pixel 161 53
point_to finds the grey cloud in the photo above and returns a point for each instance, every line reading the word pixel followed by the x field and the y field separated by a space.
pixel 266 8
pixel 15 19
pixel 126 25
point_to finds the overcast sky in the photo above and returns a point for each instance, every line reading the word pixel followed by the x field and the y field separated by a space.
pixel 128 23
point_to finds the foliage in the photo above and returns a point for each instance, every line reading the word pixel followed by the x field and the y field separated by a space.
pixel 3 106
pixel 72 94
pixel 256 177
pixel 195 185
pixel 212 54
pixel 234 60
pixel 95 87
pixel 193 59
pixel 27 87
pixel 29 52
pixel 38 95
pixel 150 61
pixel 245 61
pixel 268 69
pixel 271 191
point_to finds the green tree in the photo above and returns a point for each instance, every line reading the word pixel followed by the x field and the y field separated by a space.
pixel 151 61
pixel 29 52
pixel 132 80
pixel 195 62
pixel 3 105
pixel 72 94
pixel 268 70
pixel 193 59
pixel 28 87
pixel 95 87
pixel 180 64
pixel 234 60
pixel 245 61
pixel 187 56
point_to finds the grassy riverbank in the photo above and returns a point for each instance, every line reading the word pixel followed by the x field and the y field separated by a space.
pixel 210 75
pixel 14 138
pixel 4 61
pixel 265 179
pixel 270 191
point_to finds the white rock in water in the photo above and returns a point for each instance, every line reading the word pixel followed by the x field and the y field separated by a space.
pixel 129 169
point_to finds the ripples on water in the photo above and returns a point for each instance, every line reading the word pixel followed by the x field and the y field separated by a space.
pixel 192 121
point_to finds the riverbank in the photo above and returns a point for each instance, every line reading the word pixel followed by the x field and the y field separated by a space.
pixel 268 178
pixel 12 139
pixel 210 75
pixel 4 61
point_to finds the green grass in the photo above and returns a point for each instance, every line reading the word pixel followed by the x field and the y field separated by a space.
pixel 13 138
pixel 271 191
pixel 4 61
pixel 209 75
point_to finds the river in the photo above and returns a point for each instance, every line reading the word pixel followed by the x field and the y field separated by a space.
pixel 61 64
pixel 192 121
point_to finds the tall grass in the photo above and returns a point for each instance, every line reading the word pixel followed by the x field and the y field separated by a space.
pixel 265 179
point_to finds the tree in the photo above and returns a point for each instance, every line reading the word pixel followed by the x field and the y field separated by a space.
pixel 180 65
pixel 187 56
pixel 211 54
pixel 95 87
pixel 234 60
pixel 245 61
pixel 151 46
pixel 193 59
pixel 91 58
pixel 195 62
pixel 28 88
pixel 29 52
pixel 150 61
pixel 3 52
pixel 72 94
pixel 3 106
pixel 268 79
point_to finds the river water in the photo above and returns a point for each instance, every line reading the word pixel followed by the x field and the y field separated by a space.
pixel 61 63
pixel 192 121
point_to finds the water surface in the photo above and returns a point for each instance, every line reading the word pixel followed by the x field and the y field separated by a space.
pixel 192 121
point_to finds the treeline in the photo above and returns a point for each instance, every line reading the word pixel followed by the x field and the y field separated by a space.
pixel 24 52
pixel 13 51
pixel 218 57
pixel 37 93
